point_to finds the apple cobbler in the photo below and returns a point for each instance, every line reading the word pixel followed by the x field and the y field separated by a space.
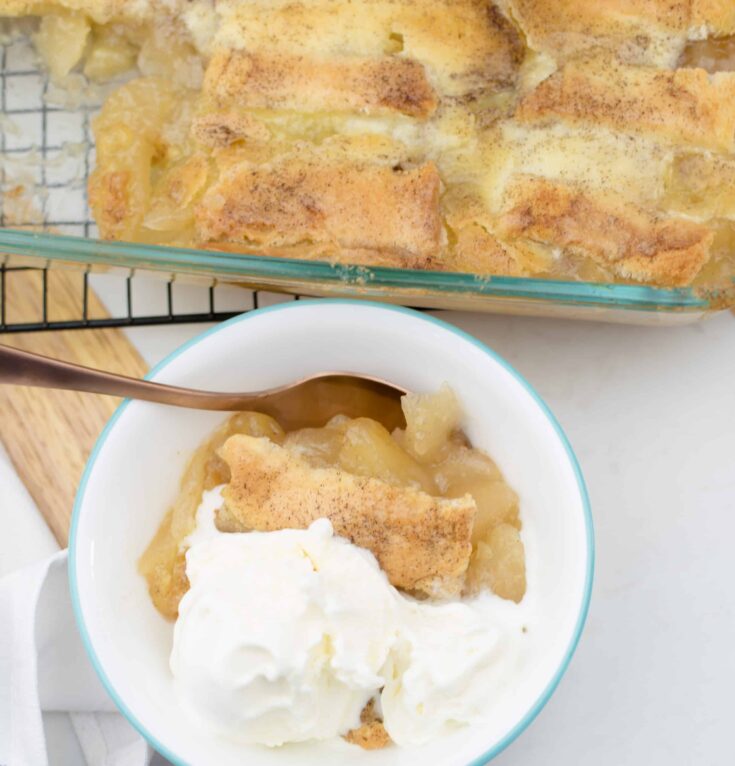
pixel 568 139
pixel 436 512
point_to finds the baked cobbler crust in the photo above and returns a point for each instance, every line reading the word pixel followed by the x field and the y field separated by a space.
pixel 515 137
pixel 275 81
pixel 422 543
pixel 685 106
pixel 340 204
pixel 637 243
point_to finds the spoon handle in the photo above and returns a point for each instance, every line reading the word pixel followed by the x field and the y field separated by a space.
pixel 27 369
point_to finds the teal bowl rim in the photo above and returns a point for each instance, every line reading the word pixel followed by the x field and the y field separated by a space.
pixel 537 706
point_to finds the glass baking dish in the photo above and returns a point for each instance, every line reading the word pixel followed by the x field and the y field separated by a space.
pixel 637 304
pixel 47 152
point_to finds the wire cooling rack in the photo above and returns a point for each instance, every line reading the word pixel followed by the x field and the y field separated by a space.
pixel 46 153
pixel 46 145
pixel 128 317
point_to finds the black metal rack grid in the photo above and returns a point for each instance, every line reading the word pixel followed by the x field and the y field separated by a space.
pixel 47 149
pixel 85 320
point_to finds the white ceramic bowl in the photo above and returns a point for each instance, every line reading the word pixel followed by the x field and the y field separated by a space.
pixel 133 474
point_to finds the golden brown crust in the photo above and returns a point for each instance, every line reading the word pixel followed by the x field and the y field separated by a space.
pixel 590 17
pixel 218 128
pixel 340 204
pixel 371 734
pixel 634 242
pixel 466 45
pixel 282 81
pixel 718 16
pixel 461 91
pixel 685 105
pixel 475 248
pixel 477 251
pixel 421 542
pixel 642 30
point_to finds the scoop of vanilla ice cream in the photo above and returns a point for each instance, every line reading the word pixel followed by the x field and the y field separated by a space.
pixel 282 636
pixel 451 661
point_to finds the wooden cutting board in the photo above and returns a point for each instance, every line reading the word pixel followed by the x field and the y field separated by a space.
pixel 49 434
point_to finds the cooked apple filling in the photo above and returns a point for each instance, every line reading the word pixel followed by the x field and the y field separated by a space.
pixel 573 139
pixel 436 512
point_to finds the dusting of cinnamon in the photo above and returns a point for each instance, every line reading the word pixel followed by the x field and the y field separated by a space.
pixel 421 542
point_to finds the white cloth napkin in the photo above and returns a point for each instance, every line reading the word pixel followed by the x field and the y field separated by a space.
pixel 44 671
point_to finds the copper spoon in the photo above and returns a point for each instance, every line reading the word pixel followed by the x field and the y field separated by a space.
pixel 310 401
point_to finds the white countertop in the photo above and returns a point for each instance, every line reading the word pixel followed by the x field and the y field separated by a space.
pixel 650 413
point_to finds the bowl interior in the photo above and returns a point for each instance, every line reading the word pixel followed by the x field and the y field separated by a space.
pixel 133 476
